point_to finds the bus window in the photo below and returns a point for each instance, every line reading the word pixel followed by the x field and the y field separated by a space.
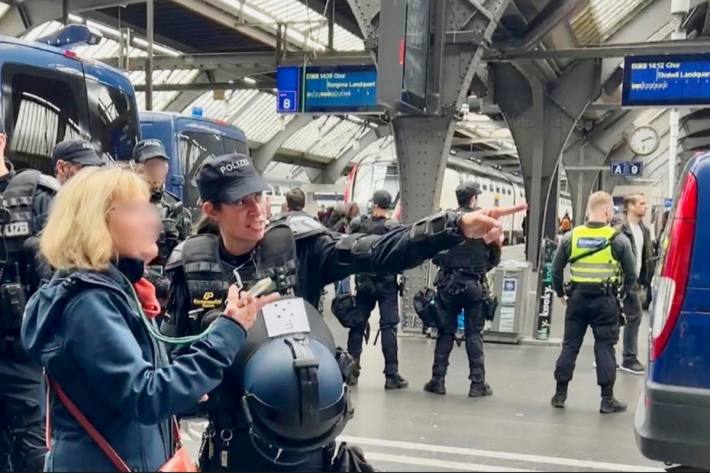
pixel 235 146
pixel 114 121
pixel 43 108
pixel 194 149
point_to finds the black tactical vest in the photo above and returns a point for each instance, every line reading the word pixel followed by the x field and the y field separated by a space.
pixel 171 217
pixel 470 257
pixel 370 282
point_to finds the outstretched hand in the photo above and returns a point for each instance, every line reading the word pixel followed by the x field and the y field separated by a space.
pixel 244 308
pixel 485 223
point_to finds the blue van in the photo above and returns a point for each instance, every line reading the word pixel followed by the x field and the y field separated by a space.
pixel 49 94
pixel 673 418
pixel 189 140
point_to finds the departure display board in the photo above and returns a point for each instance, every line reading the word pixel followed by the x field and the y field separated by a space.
pixel 340 89
pixel 666 80
pixel 327 89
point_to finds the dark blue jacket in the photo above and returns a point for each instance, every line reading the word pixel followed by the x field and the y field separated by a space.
pixel 85 329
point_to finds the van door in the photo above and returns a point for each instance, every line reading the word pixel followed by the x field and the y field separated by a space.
pixel 44 103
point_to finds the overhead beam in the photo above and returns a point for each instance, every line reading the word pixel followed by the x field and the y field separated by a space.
pixel 251 62
pixel 552 15
pixel 205 86
pixel 607 51
pixel 266 152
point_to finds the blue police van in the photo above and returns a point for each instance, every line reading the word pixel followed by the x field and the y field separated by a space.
pixel 673 417
pixel 189 140
pixel 49 95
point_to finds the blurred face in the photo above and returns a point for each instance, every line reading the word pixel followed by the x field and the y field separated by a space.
pixel 640 207
pixel 474 202
pixel 354 211
pixel 243 221
pixel 64 170
pixel 135 228
pixel 156 172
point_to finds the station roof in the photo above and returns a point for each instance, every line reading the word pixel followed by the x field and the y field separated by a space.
pixel 185 27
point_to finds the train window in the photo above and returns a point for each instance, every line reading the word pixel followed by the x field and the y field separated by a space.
pixel 485 187
pixel 42 108
pixel 194 149
pixel 113 118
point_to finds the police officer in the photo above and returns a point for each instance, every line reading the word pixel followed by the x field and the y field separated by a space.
pixel 72 156
pixel 378 289
pixel 202 268
pixel 176 219
pixel 596 254
pixel 26 197
pixel 461 285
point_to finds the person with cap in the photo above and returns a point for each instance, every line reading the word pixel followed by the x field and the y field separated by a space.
pixel 380 289
pixel 24 204
pixel 278 422
pixel 175 218
pixel 72 156
pixel 462 286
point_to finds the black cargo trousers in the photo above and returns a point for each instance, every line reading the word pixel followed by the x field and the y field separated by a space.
pixel 601 312
pixel 22 442
pixel 456 292
pixel 385 293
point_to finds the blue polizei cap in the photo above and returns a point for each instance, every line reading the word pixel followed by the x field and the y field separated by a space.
pixel 78 152
pixel 149 149
pixel 229 178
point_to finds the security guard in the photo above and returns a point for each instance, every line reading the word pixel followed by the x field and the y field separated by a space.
pixel 378 289
pixel 596 253
pixel 461 285
pixel 72 156
pixel 25 201
pixel 176 219
pixel 202 268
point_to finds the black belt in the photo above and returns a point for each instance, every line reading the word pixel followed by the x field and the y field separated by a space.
pixel 595 289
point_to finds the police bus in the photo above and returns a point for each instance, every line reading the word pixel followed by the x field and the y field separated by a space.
pixel 49 95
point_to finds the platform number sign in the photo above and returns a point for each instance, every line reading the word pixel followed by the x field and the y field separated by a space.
pixel 288 102
pixel 626 168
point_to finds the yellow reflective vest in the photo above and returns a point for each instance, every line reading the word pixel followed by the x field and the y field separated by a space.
pixel 599 267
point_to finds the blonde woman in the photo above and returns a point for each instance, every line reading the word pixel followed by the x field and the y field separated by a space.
pixel 90 328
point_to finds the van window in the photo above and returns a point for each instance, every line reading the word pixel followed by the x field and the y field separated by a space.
pixel 42 108
pixel 194 149
pixel 235 146
pixel 114 120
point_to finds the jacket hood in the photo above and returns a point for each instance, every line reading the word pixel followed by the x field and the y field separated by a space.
pixel 45 308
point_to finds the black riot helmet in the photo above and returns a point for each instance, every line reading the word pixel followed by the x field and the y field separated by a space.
pixel 467 191
pixel 295 397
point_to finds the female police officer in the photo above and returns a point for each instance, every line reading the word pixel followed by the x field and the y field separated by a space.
pixel 202 267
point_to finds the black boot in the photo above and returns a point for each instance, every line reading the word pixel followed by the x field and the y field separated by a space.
pixel 395 382
pixel 480 390
pixel 559 399
pixel 435 386
pixel 612 406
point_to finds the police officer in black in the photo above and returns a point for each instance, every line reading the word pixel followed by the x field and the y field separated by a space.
pixel 382 290
pixel 176 219
pixel 25 201
pixel 461 284
pixel 202 268
pixel 72 156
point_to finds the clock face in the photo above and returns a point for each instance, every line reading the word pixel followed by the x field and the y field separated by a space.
pixel 644 141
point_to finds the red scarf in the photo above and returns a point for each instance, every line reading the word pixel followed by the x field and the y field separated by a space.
pixel 146 295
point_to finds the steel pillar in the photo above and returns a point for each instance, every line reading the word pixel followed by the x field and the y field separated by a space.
pixel 150 28
pixel 592 150
pixel 266 152
pixel 541 117
pixel 365 12
pixel 423 142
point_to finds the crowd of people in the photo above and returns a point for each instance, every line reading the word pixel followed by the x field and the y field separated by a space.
pixel 118 316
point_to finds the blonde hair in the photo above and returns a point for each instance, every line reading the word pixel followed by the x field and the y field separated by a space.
pixel 598 200
pixel 77 235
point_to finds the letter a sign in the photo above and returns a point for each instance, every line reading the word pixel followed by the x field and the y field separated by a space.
pixel 617 169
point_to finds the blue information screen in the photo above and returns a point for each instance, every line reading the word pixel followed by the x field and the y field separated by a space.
pixel 288 83
pixel 666 80
pixel 340 89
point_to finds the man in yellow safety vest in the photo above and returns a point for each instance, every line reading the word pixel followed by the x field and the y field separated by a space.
pixel 597 254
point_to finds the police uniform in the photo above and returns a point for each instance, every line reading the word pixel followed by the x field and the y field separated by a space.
pixel 461 285
pixel 597 254
pixel 175 218
pixel 382 290
pixel 26 197
pixel 201 271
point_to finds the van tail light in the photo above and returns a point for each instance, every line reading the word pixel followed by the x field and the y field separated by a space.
pixel 672 285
